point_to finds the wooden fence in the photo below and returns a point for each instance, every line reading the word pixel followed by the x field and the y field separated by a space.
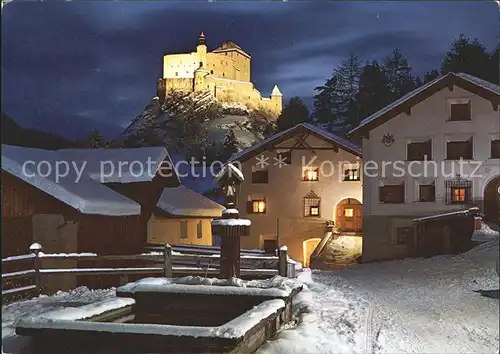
pixel 26 280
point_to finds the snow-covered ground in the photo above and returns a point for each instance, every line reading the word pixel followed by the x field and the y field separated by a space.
pixel 410 306
pixel 431 305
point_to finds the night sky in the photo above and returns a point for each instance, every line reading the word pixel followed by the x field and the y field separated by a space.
pixel 70 67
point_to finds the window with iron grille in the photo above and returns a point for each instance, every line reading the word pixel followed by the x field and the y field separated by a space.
pixel 312 204
pixel 458 191
pixel 419 151
pixel 495 149
pixel 455 150
pixel 460 111
pixel 260 177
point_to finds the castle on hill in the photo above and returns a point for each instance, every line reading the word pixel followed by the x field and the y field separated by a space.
pixel 225 72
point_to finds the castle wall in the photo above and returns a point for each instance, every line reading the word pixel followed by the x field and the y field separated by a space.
pixel 221 66
pixel 185 85
pixel 238 63
pixel 242 91
pixel 176 66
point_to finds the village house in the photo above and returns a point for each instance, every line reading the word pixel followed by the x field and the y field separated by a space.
pixel 107 209
pixel 413 152
pixel 296 183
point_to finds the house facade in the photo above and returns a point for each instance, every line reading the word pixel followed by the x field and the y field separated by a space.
pixel 97 206
pixel 435 150
pixel 295 183
pixel 183 216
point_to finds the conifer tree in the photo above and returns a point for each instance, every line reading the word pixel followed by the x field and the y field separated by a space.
pixel 94 140
pixel 398 73
pixel 373 91
pixel 229 146
pixel 294 112
pixel 471 57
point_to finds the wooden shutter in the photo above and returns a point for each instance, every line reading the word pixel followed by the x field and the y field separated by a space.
pixel 250 207
pixel 460 111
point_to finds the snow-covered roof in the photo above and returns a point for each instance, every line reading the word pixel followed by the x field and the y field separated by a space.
pixel 480 82
pixel 231 222
pixel 182 201
pixel 81 187
pixel 230 169
pixel 135 165
pixel 471 79
pixel 318 131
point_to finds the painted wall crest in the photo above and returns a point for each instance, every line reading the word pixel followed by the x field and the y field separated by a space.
pixel 388 139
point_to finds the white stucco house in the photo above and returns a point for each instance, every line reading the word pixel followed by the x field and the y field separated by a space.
pixel 436 149
pixel 295 182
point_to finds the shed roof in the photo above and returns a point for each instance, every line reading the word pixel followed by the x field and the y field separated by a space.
pixel 80 186
pixel 182 201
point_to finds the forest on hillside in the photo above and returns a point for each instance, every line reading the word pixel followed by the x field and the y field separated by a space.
pixel 357 89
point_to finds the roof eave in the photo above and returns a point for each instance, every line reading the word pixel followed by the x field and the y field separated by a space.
pixel 449 80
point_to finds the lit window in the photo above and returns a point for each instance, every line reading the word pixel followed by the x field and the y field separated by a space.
pixel 351 174
pixel 458 195
pixel 458 191
pixel 311 174
pixel 258 206
pixel 349 213
pixel 312 204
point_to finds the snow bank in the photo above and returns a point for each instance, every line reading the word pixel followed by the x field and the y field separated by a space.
pixel 485 234
pixel 487 251
pixel 38 305
pixel 240 325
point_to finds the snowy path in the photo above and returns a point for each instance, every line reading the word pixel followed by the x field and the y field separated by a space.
pixel 409 306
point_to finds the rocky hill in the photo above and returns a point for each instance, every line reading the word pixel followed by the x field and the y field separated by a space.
pixel 186 121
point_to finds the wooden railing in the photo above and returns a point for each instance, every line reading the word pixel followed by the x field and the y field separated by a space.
pixel 173 263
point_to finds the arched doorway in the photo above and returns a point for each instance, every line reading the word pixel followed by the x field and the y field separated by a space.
pixel 349 215
pixel 492 200
pixel 308 248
